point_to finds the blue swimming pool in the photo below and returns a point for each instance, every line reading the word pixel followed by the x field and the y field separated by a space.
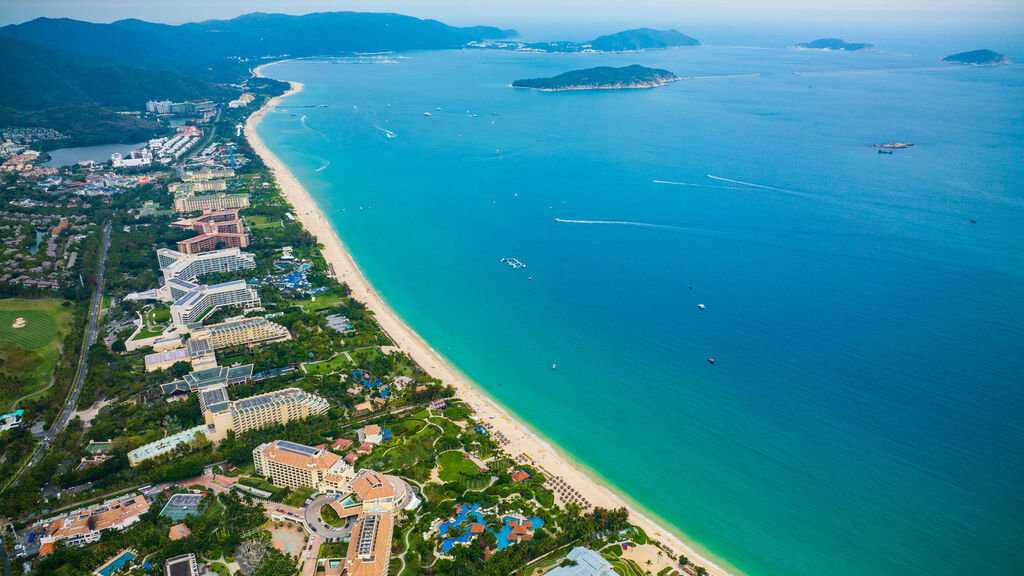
pixel 116 564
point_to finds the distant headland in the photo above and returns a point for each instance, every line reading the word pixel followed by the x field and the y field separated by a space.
pixel 625 41
pixel 834 44
pixel 977 58
pixel 601 78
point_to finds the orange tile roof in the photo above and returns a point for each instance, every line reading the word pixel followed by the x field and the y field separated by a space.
pixel 375 563
pixel 179 531
pixel 97 517
pixel 341 444
pixel 477 529
pixel 520 476
pixel 370 485
pixel 321 461
pixel 371 430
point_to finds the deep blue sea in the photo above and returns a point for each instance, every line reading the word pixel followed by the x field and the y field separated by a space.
pixel 865 311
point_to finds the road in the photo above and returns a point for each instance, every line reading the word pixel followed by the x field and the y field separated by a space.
pixel 83 365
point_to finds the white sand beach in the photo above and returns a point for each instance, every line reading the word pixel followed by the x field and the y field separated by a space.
pixel 519 439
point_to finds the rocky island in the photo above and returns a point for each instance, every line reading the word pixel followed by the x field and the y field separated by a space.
pixel 835 44
pixel 601 78
pixel 625 41
pixel 977 58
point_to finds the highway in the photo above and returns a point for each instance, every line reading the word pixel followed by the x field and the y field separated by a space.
pixel 83 367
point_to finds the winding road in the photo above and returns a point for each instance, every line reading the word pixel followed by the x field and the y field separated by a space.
pixel 83 365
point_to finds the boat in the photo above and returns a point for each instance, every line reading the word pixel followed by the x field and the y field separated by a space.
pixel 529 277
pixel 427 114
pixel 701 306
pixel 884 151
pixel 554 366
pixel 711 360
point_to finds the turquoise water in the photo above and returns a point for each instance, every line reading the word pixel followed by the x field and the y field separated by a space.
pixel 117 564
pixel 863 412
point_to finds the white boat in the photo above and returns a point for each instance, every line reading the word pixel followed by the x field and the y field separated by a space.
pixel 701 306
pixel 427 114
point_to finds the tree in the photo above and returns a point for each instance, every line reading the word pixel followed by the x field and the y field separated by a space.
pixel 701 571
pixel 683 561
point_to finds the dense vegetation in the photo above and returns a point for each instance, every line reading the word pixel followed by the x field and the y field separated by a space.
pixel 835 44
pixel 634 76
pixel 642 39
pixel 977 58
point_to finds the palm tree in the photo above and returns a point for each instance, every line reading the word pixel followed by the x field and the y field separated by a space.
pixel 701 571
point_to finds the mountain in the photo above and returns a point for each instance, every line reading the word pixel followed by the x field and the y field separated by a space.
pixel 641 39
pixel 35 78
pixel 601 78
pixel 835 44
pixel 77 72
pixel 628 40
pixel 222 50
pixel 977 58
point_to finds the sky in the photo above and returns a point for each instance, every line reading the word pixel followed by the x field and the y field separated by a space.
pixel 509 13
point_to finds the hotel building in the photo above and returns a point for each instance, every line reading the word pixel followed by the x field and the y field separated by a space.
pixel 297 466
pixel 279 407
pixel 245 331
pixel 193 301
pixel 190 267
pixel 210 202
pixel 223 229
pixel 83 526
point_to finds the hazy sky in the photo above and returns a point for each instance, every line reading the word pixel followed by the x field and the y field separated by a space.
pixel 516 12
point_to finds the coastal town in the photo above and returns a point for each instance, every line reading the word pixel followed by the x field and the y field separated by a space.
pixel 218 390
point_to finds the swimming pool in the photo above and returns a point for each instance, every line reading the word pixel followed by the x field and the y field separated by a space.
pixel 116 564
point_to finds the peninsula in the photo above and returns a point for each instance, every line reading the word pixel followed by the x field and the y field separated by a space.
pixel 977 58
pixel 601 78
pixel 834 44
pixel 625 41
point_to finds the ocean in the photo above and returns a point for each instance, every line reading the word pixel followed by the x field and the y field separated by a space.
pixel 865 311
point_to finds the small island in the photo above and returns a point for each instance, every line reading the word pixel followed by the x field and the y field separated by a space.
pixel 601 78
pixel 835 44
pixel 625 41
pixel 977 58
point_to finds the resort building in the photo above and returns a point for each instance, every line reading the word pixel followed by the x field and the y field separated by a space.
pixel 213 376
pixel 196 186
pixel 222 229
pixel 210 202
pixel 246 331
pixel 584 562
pixel 369 550
pixel 184 565
pixel 83 526
pixel 371 434
pixel 165 445
pixel 298 466
pixel 278 407
pixel 208 174
pixel 190 267
pixel 196 352
pixel 194 301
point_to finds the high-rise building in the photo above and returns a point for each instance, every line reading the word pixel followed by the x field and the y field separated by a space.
pixel 245 331
pixel 278 407
pixel 298 466
pixel 190 267
pixel 193 301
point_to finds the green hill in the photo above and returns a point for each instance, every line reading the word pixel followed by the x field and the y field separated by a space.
pixel 977 58
pixel 835 44
pixel 642 39
pixel 601 78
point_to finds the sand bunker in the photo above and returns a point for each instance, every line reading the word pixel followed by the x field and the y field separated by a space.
pixel 18 323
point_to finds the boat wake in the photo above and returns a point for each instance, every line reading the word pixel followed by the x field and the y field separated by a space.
pixel 302 121
pixel 764 187
pixel 386 132
pixel 621 223
pixel 326 163
pixel 669 182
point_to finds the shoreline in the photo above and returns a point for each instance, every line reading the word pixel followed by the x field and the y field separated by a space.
pixel 521 439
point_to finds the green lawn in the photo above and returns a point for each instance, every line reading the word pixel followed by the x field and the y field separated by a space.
pixel 454 466
pixel 339 362
pixel 257 222
pixel 328 515
pixel 298 497
pixel 30 351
